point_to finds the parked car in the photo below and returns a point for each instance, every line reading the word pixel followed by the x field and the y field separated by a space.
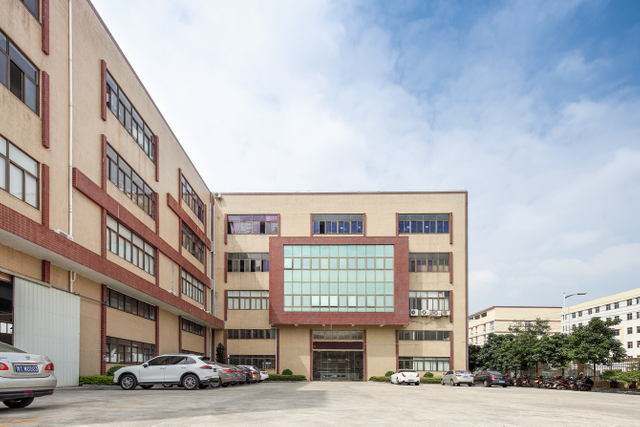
pixel 457 377
pixel 255 373
pixel 264 375
pixel 187 370
pixel 24 376
pixel 489 378
pixel 227 374
pixel 241 376
pixel 405 376
pixel 247 373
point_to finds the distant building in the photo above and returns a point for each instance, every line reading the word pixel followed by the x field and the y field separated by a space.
pixel 625 306
pixel 497 319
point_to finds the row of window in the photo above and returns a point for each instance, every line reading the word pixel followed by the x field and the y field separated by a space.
pixel 122 242
pixel 337 224
pixel 192 327
pixel 428 262
pixel 129 352
pixel 429 300
pixel 630 344
pixel 130 305
pixel 192 287
pixel 251 334
pixel 425 363
pixel 192 243
pixel 423 335
pixel 248 300
pixel 18 173
pixel 260 362
pixel 129 118
pixel 325 335
pixel 252 224
pixel 18 74
pixel 607 307
pixel 630 330
pixel 129 182
pixel 248 262
pixel 423 223
pixel 191 199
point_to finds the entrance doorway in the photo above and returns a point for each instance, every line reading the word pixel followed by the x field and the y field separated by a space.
pixel 6 311
pixel 338 365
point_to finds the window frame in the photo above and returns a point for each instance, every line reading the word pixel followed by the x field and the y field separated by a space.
pixel 248 262
pixel 192 243
pixel 9 163
pixel 192 287
pixel 35 13
pixel 248 300
pixel 439 262
pixel 143 309
pixel 122 347
pixel 192 199
pixel 193 327
pixel 417 223
pixel 325 224
pixel 6 52
pixel 271 223
pixel 115 171
pixel 148 260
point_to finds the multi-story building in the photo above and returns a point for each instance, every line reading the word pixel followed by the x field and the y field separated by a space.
pixel 105 233
pixel 498 319
pixel 624 306
pixel 342 286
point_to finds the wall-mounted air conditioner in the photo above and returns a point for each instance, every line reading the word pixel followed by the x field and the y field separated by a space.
pixel 445 313
pixel 414 312
pixel 425 312
pixel 437 314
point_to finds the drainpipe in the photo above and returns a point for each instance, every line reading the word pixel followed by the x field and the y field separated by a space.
pixel 71 119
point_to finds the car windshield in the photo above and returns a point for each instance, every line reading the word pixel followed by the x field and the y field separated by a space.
pixel 462 372
pixel 405 370
pixel 494 373
pixel 6 348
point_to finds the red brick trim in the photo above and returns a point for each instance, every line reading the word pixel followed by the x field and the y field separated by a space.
pixel 103 330
pixel 311 225
pixel 156 213
pixel 226 350
pixel 451 228
pixel 226 304
pixel 364 232
pixel 397 234
pixel 179 334
pixel 44 207
pixel 400 315
pixel 103 89
pixel 364 341
pixel 182 214
pixel 27 229
pixel 226 228
pixel 103 140
pixel 99 196
pixel 103 233
pixel 157 156
pixel 279 225
pixel 45 116
pixel 451 350
pixel 450 306
pixel 45 26
pixel 310 354
pixel 46 271
pixel 226 266
pixel 451 267
pixel 397 348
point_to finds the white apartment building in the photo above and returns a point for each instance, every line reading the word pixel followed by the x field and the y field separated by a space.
pixel 498 319
pixel 625 306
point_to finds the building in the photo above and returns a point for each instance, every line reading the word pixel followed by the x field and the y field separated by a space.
pixel 105 235
pixel 498 319
pixel 624 306
pixel 342 286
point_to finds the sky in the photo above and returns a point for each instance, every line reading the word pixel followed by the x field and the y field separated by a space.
pixel 533 107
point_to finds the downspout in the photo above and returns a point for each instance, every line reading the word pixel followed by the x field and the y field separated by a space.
pixel 71 119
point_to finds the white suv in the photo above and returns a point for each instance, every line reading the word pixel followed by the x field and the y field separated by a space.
pixel 186 370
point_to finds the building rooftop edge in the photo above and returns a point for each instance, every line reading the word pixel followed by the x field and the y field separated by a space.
pixel 512 306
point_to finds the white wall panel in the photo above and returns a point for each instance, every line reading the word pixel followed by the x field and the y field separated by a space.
pixel 47 321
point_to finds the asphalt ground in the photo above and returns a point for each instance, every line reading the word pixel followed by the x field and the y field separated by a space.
pixel 321 403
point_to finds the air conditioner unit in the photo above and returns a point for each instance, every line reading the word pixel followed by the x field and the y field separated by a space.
pixel 437 314
pixel 425 312
pixel 414 312
pixel 445 313
pixel 217 195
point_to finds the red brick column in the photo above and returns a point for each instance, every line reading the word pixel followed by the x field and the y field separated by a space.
pixel 45 26
pixel 46 271
pixel 44 109
pixel 103 331
pixel 44 208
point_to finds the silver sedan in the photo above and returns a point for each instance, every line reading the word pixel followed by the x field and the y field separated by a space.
pixel 24 376
pixel 457 377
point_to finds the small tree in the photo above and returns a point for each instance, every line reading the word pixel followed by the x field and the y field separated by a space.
pixel 596 343
pixel 474 357
pixel 526 337
pixel 220 353
pixel 554 350
pixel 287 372
pixel 496 353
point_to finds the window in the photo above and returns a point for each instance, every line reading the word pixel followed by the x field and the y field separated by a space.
pixel 617 317
pixel 590 311
pixel 428 262
pixel 423 223
pixel 492 326
pixel 331 335
pixel 580 313
pixel 608 307
pixel 191 199
pixel 130 305
pixel 629 330
pixel 630 344
pixel 638 329
pixel 125 352
pixel 616 305
pixel 573 315
pixel 425 363
pixel 192 327
pixel 192 243
pixel 129 118
pixel 260 362
pixel 251 334
pixel 32 6
pixel 252 224
pixel 429 300
pixel 423 335
pixel 248 300
pixel 18 173
pixel 122 242
pixel 630 301
pixel 484 314
pixel 18 74
pixel 344 278
pixel 337 224
pixel 629 316
pixel 130 183
pixel 192 287
pixel 248 262
pixel 598 309
pixel 617 332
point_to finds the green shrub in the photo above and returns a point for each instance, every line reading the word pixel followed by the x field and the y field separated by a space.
pixel 287 372
pixel 113 369
pixel 277 377
pixel 428 380
pixel 388 373
pixel 96 380
pixel 428 375
pixel 384 379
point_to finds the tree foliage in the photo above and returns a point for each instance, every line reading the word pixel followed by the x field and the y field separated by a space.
pixel 595 342
pixel 220 353
pixel 474 353
pixel 525 341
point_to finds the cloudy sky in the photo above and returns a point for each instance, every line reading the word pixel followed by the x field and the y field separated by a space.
pixel 533 107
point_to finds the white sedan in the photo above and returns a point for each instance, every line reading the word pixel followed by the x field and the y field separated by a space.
pixel 406 376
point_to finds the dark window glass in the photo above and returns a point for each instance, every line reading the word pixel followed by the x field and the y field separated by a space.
pixel 32 5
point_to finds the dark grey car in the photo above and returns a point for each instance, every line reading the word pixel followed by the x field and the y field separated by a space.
pixel 489 378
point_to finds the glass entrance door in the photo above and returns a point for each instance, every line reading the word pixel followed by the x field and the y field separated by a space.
pixel 338 365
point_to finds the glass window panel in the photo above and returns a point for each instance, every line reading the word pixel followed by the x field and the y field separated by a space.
pixel 31 95
pixel 23 62
pixel 20 158
pixel 16 182
pixel 31 190
pixel 3 173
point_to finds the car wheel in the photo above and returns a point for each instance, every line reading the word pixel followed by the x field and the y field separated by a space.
pixel 18 403
pixel 167 385
pixel 146 387
pixel 470 385
pixel 203 386
pixel 224 384
pixel 417 383
pixel 190 382
pixel 128 382
pixel 442 382
pixel 486 384
pixel 215 383
pixel 504 386
pixel 451 382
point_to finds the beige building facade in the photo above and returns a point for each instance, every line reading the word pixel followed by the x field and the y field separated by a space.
pixel 498 319
pixel 342 286
pixel 99 203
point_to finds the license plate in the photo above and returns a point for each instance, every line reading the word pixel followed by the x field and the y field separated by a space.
pixel 27 368
pixel 501 381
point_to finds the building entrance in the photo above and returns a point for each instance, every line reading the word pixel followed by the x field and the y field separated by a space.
pixel 338 365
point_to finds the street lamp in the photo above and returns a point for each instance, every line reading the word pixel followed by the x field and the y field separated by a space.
pixel 564 303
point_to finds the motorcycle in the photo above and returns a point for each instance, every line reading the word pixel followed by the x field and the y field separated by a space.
pixel 523 381
pixel 560 383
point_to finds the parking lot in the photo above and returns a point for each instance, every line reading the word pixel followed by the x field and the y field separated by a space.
pixel 320 403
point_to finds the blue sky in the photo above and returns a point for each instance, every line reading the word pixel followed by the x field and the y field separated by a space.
pixel 531 106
